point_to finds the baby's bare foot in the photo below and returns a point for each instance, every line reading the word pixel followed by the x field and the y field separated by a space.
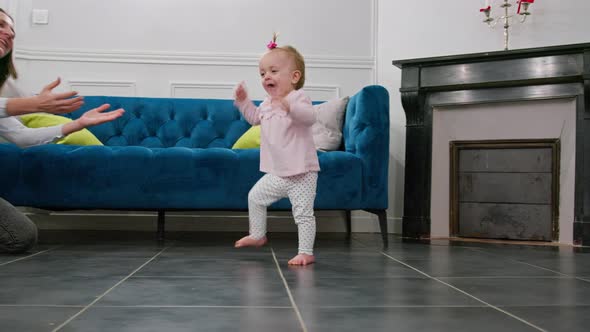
pixel 247 241
pixel 302 259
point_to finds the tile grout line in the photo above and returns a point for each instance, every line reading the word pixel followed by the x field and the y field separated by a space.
pixel 233 277
pixel 543 268
pixel 539 267
pixel 465 293
pixel 29 256
pixel 509 277
pixel 290 307
pixel 521 262
pixel 196 306
pixel 41 306
pixel 293 304
pixel 106 292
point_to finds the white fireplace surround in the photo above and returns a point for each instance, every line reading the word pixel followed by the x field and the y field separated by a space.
pixel 535 119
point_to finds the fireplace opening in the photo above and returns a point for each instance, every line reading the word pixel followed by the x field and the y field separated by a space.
pixel 505 189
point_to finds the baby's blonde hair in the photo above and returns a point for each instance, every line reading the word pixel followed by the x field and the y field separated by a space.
pixel 295 56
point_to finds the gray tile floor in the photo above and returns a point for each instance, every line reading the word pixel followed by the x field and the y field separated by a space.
pixel 126 282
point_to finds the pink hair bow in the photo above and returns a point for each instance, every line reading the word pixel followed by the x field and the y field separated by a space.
pixel 271 45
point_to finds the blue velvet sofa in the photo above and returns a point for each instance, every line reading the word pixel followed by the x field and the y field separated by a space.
pixel 169 154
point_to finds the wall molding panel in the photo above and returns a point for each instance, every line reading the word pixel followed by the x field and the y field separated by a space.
pixel 201 89
pixel 322 92
pixel 100 87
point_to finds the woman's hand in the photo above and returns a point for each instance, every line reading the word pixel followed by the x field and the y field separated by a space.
pixel 45 101
pixel 241 94
pixel 57 103
pixel 92 118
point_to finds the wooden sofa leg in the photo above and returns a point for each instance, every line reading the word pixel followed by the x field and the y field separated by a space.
pixel 161 223
pixel 382 224
pixel 348 224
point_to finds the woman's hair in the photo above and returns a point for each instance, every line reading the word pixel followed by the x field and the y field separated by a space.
pixel 7 68
pixel 294 54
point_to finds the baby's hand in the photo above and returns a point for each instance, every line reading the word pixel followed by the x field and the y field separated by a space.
pixel 241 93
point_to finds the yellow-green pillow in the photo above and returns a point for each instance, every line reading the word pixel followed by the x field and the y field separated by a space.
pixel 39 120
pixel 249 140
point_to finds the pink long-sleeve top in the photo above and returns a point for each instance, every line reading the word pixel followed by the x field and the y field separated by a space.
pixel 286 141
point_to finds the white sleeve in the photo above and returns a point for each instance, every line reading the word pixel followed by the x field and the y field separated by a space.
pixel 3 107
pixel 15 132
pixel 10 90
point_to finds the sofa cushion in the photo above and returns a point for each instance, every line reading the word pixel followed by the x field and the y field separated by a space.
pixel 327 130
pixel 249 140
pixel 39 120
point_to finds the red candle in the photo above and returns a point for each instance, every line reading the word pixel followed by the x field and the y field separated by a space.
pixel 486 7
pixel 520 2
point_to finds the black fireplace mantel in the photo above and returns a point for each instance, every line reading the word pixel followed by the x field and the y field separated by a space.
pixel 525 74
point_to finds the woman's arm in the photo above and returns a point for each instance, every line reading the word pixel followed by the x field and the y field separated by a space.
pixel 46 101
pixel 92 118
pixel 15 132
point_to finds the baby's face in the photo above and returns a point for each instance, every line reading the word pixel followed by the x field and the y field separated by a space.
pixel 277 73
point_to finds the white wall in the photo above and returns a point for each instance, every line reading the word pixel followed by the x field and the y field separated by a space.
pixel 192 48
pixel 428 28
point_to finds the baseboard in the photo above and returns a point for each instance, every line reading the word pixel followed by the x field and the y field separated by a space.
pixel 214 221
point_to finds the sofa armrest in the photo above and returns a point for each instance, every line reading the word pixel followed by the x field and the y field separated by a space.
pixel 366 134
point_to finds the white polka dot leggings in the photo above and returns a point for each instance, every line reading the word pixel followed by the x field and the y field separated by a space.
pixel 301 191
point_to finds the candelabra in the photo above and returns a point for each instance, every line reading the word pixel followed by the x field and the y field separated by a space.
pixel 522 11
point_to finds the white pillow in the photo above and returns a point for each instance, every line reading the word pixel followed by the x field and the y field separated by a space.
pixel 327 130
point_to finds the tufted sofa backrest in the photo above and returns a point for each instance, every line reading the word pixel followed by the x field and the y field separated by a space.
pixel 168 122
pixel 205 123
